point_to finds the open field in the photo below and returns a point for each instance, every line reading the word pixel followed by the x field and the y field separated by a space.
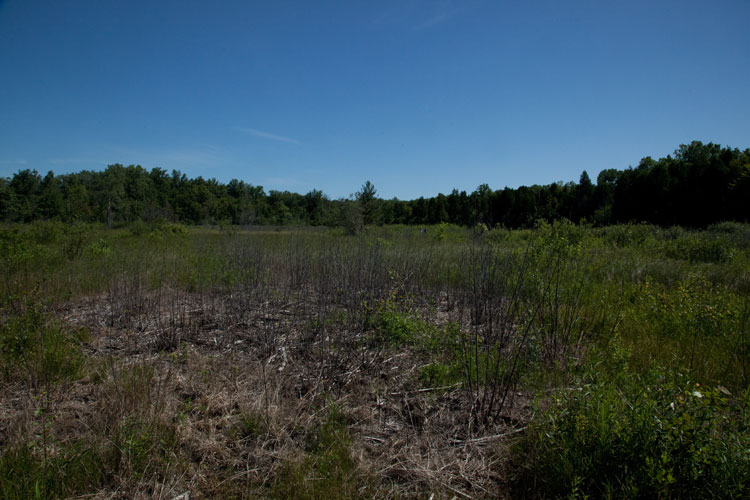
pixel 564 361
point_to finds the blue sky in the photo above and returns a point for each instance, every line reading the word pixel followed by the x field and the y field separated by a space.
pixel 417 96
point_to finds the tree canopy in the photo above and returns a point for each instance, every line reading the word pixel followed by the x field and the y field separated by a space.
pixel 698 185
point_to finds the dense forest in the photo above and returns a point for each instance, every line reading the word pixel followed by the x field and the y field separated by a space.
pixel 698 185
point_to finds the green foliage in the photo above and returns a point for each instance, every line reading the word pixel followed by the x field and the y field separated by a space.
pixel 249 426
pixel 655 437
pixel 693 307
pixel 702 324
pixel 157 229
pixel 45 232
pixel 34 347
pixel 627 235
pixel 73 470
pixel 142 448
pixel 328 470
pixel 446 231
pixel 441 374
pixel 99 248
pixel 700 184
pixel 700 248
pixel 561 238
pixel 738 234
pixel 581 289
pixel 393 326
pixel 397 328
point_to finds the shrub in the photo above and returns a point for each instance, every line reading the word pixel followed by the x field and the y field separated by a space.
pixel 627 235
pixel 700 248
pixel 659 437
pixel 702 323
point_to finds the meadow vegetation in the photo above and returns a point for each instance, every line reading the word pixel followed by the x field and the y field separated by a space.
pixel 563 361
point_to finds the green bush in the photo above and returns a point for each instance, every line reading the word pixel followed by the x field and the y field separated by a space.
pixel 441 374
pixel 699 323
pixel 627 235
pixel 738 234
pixel 99 248
pixel 395 326
pixel 630 437
pixel 45 232
pixel 139 228
pixel 700 248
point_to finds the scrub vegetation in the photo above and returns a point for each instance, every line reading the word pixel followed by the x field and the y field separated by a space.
pixel 559 361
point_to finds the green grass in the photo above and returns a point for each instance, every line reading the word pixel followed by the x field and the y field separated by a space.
pixel 633 436
pixel 25 474
pixel 327 469
pixel 40 350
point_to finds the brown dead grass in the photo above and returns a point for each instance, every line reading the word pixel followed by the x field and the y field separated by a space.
pixel 264 364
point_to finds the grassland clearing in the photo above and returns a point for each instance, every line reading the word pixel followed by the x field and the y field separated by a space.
pixel 306 363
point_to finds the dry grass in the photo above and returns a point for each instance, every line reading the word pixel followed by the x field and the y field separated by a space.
pixel 263 371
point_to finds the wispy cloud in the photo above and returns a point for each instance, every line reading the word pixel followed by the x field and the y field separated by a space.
pixel 13 162
pixel 178 158
pixel 66 161
pixel 420 14
pixel 400 13
pixel 283 182
pixel 443 11
pixel 266 135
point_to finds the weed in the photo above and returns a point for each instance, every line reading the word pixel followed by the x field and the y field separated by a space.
pixel 42 351
pixel 75 469
pixel 700 248
pixel 328 470
pixel 655 437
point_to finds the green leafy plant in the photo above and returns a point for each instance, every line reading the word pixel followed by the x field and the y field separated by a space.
pixel 33 346
pixel 634 437
pixel 328 470
pixel 700 248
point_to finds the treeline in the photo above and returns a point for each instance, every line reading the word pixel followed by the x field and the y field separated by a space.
pixel 698 185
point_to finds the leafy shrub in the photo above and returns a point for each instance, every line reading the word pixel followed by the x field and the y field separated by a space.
pixel 441 374
pixel 398 328
pixel 175 229
pixel 636 438
pixel 75 239
pixel 703 322
pixel 139 228
pixel 673 232
pixel 395 326
pixel 99 247
pixel 627 235
pixel 560 235
pixel 46 232
pixel 738 233
pixel 700 248
pixel 694 306
pixel 479 229
pixel 157 229
pixel 447 231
